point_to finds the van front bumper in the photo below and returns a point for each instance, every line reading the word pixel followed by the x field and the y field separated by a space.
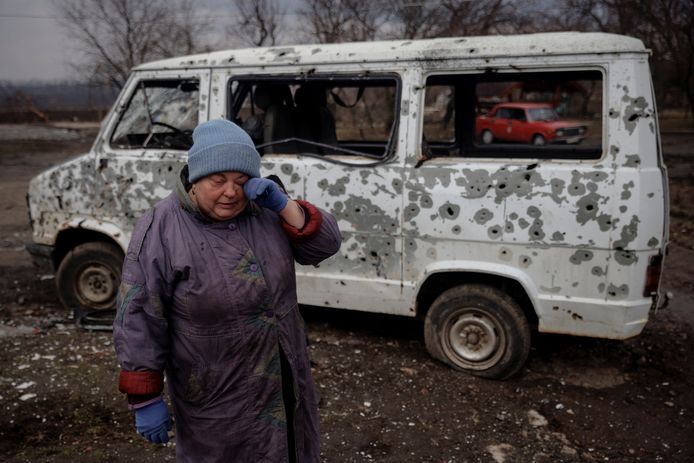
pixel 42 256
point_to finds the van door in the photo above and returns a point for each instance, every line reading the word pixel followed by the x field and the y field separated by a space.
pixel 144 146
pixel 331 139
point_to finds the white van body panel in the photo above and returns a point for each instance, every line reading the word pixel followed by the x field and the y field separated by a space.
pixel 576 235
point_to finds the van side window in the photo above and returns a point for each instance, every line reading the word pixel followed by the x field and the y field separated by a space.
pixel 545 115
pixel 317 115
pixel 161 114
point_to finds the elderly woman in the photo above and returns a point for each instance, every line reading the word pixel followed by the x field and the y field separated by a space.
pixel 209 295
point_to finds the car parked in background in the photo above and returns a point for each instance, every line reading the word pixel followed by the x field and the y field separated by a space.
pixel 533 123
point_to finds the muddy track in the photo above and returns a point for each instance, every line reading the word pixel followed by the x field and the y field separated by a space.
pixel 383 398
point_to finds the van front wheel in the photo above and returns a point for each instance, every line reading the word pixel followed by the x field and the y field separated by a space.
pixel 478 329
pixel 89 276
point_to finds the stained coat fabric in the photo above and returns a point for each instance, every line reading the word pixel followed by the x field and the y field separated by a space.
pixel 212 304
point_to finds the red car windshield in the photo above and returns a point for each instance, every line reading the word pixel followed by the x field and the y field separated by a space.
pixel 543 114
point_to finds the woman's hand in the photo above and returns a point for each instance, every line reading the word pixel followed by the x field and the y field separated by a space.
pixel 266 193
pixel 153 422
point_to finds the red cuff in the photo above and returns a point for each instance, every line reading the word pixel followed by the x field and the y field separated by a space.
pixel 314 220
pixel 141 382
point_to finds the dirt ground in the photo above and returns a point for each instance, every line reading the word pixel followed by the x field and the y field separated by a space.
pixel 382 397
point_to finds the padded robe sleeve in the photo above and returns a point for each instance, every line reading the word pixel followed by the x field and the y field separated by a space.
pixel 140 329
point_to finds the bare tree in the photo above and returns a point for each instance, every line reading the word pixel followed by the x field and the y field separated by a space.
pixel 449 18
pixel 335 21
pixel 115 35
pixel 665 26
pixel 416 20
pixel 259 22
pixel 480 17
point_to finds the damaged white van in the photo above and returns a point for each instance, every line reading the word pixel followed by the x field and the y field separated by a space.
pixel 488 185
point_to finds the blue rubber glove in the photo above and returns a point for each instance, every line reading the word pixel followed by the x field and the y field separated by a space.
pixel 265 193
pixel 153 422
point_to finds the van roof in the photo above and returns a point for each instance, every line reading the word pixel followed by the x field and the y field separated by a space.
pixel 551 43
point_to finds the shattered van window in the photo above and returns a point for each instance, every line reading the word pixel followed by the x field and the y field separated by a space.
pixel 547 115
pixel 439 114
pixel 160 114
pixel 324 116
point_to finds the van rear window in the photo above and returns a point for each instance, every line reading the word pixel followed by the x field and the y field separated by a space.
pixel 515 115
pixel 335 115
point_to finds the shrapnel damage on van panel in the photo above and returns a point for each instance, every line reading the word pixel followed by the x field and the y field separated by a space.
pixel 522 170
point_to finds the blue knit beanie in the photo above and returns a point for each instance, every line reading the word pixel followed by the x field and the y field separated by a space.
pixel 219 146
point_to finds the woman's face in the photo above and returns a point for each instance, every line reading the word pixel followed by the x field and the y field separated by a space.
pixel 220 196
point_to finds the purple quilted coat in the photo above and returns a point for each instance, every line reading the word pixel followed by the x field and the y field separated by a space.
pixel 213 304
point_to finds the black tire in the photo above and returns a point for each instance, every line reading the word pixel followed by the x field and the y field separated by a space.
pixel 89 276
pixel 497 335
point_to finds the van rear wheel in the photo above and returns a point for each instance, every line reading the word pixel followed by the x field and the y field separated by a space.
pixel 89 276
pixel 478 329
pixel 487 137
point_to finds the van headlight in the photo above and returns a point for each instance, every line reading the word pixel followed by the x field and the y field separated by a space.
pixel 560 132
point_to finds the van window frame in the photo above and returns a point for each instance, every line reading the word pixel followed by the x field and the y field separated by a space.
pixel 233 104
pixel 471 149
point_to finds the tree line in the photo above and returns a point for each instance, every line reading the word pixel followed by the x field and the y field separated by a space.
pixel 115 35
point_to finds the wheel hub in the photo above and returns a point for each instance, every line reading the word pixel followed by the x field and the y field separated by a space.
pixel 96 284
pixel 474 337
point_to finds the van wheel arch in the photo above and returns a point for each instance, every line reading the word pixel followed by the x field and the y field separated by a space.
pixel 437 283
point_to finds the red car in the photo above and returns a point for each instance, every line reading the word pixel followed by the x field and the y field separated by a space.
pixel 535 123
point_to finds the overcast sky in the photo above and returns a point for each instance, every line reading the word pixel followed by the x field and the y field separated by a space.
pixel 34 47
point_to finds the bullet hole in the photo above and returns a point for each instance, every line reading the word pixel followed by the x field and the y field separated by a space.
pixel 576 316
pixel 357 210
pixel 527 177
pixel 555 308
pixel 450 211
pixel 502 186
pixel 633 117
pixel 612 293
pixel 363 259
pixel 374 254
pixel 524 260
pixel 589 207
pixel 611 113
pixel 503 252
